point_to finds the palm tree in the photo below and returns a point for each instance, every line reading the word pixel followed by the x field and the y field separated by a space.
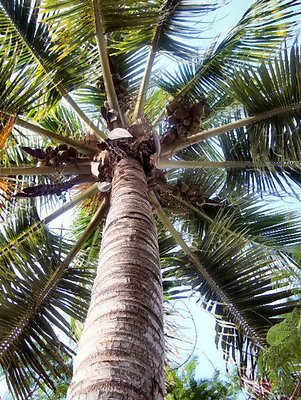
pixel 84 105
pixel 184 385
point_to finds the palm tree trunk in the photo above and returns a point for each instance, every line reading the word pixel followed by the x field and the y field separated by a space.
pixel 120 354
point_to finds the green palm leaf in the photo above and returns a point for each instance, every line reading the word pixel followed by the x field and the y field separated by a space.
pixel 267 152
pixel 175 21
pixel 273 144
pixel 259 32
pixel 264 174
pixel 40 295
pixel 20 20
pixel 241 254
pixel 161 21
pixel 128 31
pixel 19 92
pixel 78 19
pixel 274 85
pixel 64 122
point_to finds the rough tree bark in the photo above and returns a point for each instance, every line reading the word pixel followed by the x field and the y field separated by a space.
pixel 120 354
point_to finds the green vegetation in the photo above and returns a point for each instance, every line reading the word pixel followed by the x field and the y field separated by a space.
pixel 281 361
pixel 182 385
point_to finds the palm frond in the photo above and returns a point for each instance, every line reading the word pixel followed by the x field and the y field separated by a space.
pixel 63 121
pixel 173 18
pixel 241 255
pixel 129 32
pixel 274 85
pixel 272 144
pixel 38 303
pixel 20 90
pixel 90 99
pixel 36 267
pixel 259 32
pixel 270 94
pixel 268 174
pixel 65 73
pixel 276 231
pixel 20 20
pixel 155 103
pixel 174 22
pixel 78 18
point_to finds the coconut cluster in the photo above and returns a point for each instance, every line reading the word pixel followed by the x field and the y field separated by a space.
pixel 121 86
pixel 55 156
pixel 191 193
pixel 183 119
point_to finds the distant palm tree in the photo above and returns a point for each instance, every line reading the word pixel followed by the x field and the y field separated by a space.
pixel 183 385
pixel 86 104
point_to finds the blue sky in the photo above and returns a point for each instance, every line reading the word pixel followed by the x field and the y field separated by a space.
pixel 229 15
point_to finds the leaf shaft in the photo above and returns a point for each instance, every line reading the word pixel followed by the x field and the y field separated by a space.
pixel 175 164
pixel 141 98
pixel 55 278
pixel 182 164
pixel 85 148
pixel 80 169
pixel 201 269
pixel 105 65
pixel 93 189
pixel 98 133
